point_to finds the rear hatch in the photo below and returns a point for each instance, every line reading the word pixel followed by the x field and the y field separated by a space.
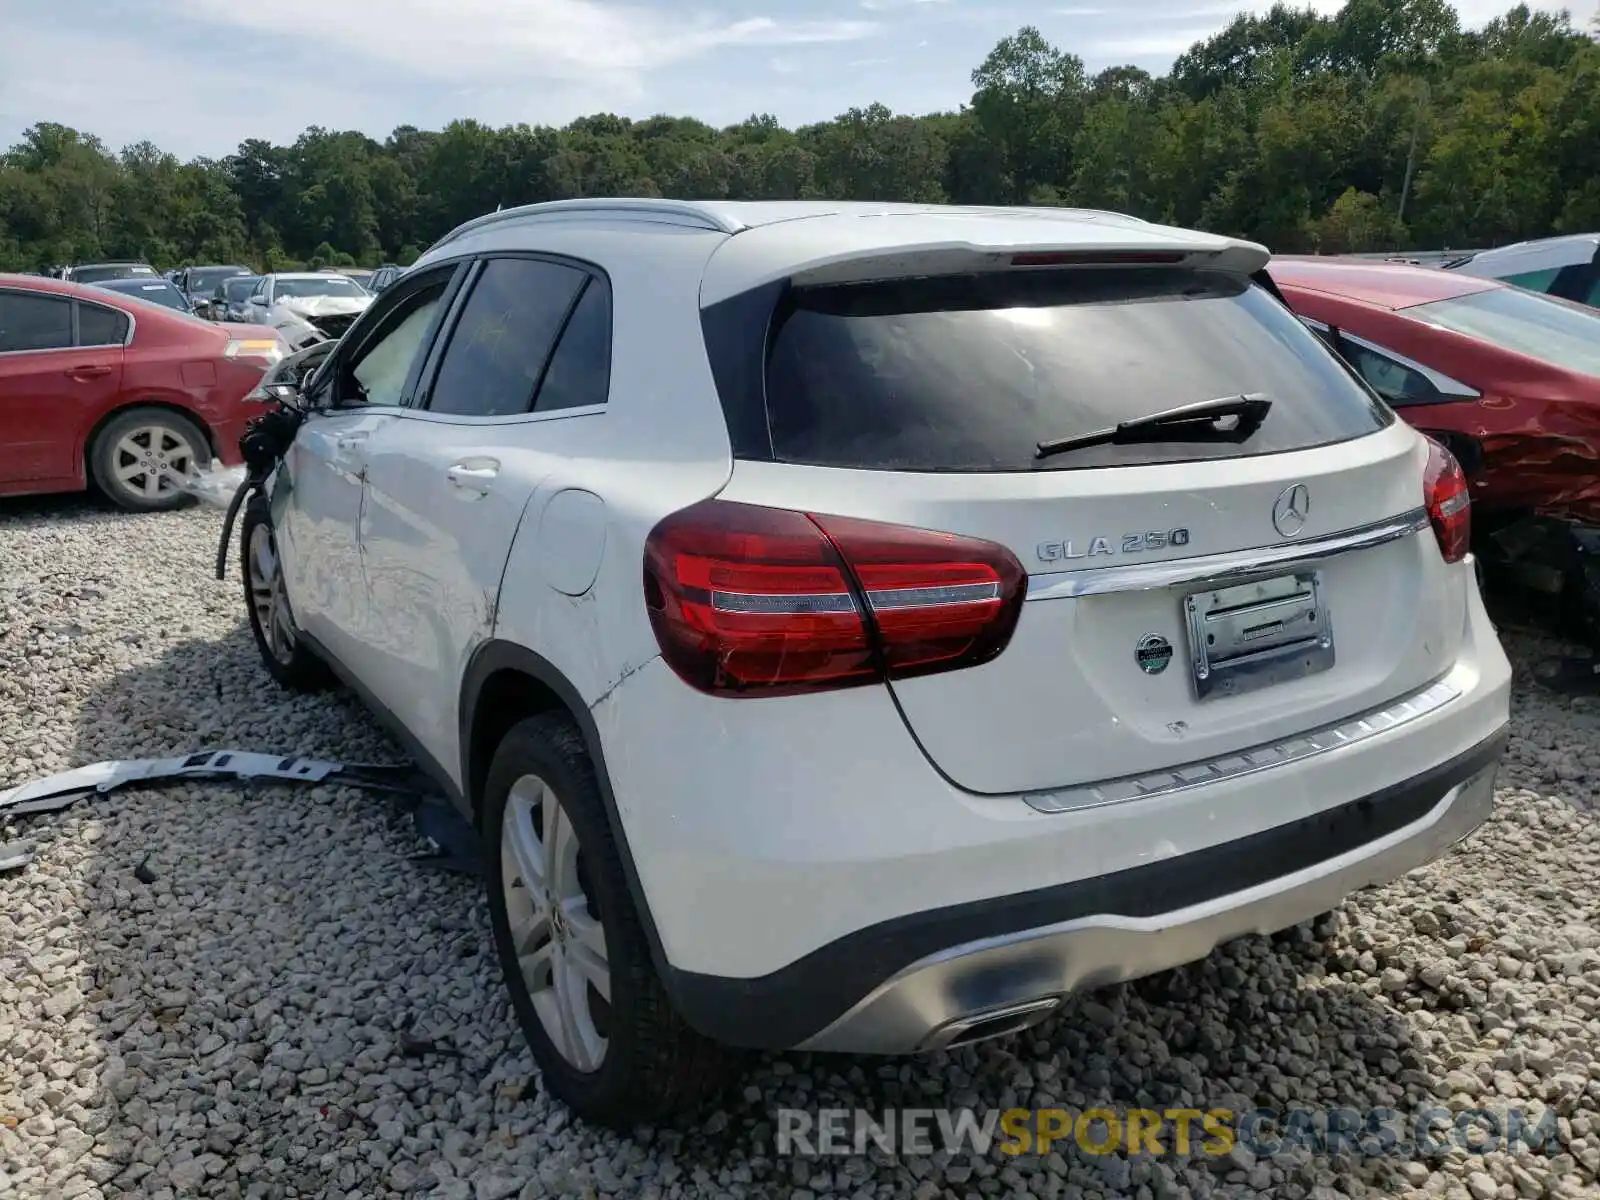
pixel 921 400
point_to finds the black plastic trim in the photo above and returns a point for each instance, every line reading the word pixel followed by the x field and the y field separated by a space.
pixel 790 1005
pixel 736 336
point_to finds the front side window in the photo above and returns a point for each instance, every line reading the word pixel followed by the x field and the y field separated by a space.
pixel 34 322
pixel 497 352
pixel 1561 333
pixel 972 372
pixel 378 375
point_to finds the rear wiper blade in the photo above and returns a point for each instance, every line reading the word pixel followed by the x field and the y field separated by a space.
pixel 1201 422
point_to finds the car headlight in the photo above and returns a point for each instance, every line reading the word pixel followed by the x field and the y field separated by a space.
pixel 269 350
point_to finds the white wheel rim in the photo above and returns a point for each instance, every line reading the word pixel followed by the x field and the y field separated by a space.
pixel 556 933
pixel 152 461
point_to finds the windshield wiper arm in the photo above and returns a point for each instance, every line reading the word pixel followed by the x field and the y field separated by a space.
pixel 1201 422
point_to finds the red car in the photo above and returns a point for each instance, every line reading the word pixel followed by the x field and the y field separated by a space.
pixel 96 385
pixel 1507 379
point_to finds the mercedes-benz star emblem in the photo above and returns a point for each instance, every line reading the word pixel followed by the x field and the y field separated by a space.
pixel 1291 509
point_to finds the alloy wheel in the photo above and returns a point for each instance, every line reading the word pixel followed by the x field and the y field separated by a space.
pixel 152 461
pixel 267 595
pixel 559 940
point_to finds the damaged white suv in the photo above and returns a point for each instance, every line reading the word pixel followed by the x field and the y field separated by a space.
pixel 855 626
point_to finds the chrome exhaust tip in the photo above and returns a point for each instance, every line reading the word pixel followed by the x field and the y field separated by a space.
pixel 990 1023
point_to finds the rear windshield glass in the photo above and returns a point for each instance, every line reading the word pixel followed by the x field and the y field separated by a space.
pixel 1525 323
pixel 970 373
pixel 115 271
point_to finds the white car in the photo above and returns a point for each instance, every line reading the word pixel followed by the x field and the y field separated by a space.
pixel 856 626
pixel 1567 266
pixel 306 307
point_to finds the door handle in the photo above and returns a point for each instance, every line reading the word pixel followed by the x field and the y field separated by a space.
pixel 88 371
pixel 475 479
pixel 350 441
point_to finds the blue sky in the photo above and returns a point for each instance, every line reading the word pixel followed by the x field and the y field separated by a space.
pixel 198 76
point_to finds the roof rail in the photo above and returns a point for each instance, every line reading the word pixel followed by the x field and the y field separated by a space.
pixel 685 210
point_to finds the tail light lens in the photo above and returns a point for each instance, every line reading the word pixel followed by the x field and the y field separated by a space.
pixel 1449 503
pixel 747 600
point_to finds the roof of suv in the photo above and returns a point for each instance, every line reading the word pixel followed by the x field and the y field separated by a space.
pixel 816 241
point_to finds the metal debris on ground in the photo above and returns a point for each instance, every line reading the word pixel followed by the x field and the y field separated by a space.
pixel 16 855
pixel 451 840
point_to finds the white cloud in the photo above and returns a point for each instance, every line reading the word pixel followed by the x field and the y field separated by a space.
pixel 571 40
pixel 890 5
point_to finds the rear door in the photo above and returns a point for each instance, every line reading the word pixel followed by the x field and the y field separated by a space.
pixel 1142 645
pixel 526 362
pixel 60 368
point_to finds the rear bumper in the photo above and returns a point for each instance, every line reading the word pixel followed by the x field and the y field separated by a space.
pixel 806 873
pixel 1101 931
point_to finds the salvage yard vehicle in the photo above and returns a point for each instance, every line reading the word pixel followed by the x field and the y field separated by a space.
pixel 151 291
pixel 231 299
pixel 99 387
pixel 100 272
pixel 1568 266
pixel 308 306
pixel 855 627
pixel 199 283
pixel 1508 380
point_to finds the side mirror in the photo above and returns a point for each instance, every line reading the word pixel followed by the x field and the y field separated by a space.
pixel 259 301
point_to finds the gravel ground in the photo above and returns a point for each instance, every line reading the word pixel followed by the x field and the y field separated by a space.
pixel 233 1028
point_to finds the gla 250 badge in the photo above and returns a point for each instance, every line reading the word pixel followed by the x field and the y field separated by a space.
pixel 1129 543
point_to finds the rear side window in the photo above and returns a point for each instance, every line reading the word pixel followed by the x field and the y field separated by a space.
pixel 970 373
pixel 580 369
pixel 34 322
pixel 1534 281
pixel 101 326
pixel 498 349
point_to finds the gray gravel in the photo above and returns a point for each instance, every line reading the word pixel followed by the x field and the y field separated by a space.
pixel 232 1028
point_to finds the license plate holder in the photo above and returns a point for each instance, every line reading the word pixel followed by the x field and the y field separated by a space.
pixel 1251 635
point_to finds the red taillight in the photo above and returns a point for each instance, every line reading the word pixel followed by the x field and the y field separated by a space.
pixel 749 600
pixel 1097 258
pixel 1449 503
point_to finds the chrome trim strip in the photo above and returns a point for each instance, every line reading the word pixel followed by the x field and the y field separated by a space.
pixel 1294 749
pixel 1220 568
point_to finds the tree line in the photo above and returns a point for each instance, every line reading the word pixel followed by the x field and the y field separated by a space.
pixel 1385 126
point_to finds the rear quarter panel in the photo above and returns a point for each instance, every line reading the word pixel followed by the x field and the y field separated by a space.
pixel 660 445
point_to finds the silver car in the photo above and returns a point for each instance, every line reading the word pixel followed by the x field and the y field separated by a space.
pixel 306 307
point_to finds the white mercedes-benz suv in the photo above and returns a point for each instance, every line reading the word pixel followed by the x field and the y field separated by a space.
pixel 856 626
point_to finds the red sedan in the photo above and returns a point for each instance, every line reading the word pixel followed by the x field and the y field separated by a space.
pixel 99 386
pixel 1508 379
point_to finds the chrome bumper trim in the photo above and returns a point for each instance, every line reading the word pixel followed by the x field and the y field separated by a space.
pixel 1228 566
pixel 1247 762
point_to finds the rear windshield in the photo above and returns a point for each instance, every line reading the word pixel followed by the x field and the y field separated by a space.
pixel 970 373
pixel 156 293
pixel 114 271
pixel 1525 323
pixel 203 279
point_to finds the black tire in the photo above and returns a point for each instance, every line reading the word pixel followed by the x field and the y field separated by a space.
pixel 655 1068
pixel 107 457
pixel 291 662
